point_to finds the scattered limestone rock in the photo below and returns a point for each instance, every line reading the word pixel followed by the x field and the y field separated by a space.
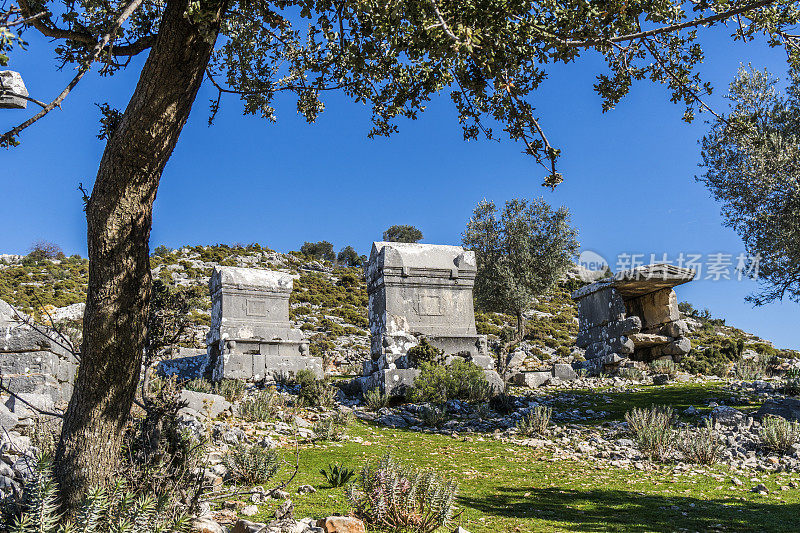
pixel 342 524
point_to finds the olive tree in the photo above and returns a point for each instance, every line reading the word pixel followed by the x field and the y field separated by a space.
pixel 488 56
pixel 752 167
pixel 402 233
pixel 522 253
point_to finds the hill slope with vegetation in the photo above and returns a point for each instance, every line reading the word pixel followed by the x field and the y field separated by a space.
pixel 329 303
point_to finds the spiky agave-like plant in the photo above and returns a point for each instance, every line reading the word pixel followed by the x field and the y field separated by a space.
pixel 103 511
pixel 392 496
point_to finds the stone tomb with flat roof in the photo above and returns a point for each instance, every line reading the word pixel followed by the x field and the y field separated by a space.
pixel 251 336
pixel 632 315
pixel 416 292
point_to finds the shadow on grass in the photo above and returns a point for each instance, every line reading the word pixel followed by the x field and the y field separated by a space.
pixel 679 397
pixel 616 510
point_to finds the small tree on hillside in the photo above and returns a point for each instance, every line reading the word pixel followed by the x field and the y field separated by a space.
pixel 349 257
pixel 752 161
pixel 321 251
pixel 402 233
pixel 42 250
pixel 521 255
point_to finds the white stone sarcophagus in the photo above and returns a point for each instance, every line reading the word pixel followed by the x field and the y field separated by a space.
pixel 419 291
pixel 251 336
pixel 632 315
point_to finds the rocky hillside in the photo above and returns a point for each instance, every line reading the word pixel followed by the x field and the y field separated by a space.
pixel 329 303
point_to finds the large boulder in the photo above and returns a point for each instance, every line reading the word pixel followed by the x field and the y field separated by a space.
pixel 788 408
pixel 206 405
pixel 532 379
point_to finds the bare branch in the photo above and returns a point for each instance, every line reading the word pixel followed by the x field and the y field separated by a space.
pixel 28 404
pixel 679 84
pixel 28 98
pixel 8 136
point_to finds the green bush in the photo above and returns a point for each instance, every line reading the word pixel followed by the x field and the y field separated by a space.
pixel 536 422
pixel 700 445
pixel 375 399
pixel 261 407
pixel 433 416
pixel 652 430
pixel 632 373
pixel 791 382
pixel 232 389
pixel 778 434
pixel 199 385
pixel 424 352
pixel 664 367
pixel 391 497
pixel 460 380
pixel 333 427
pixel 252 465
pixel 102 510
pixel 314 392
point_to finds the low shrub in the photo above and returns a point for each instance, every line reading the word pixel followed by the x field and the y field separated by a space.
pixel 262 407
pixel 664 367
pixel 314 392
pixel 252 465
pixel 375 399
pixel 791 382
pixel 333 427
pixel 778 434
pixel 535 422
pixel 749 369
pixel 460 380
pixel 700 445
pixel 652 430
pixel 634 374
pixel 336 475
pixel 424 352
pixel 433 416
pixel 232 389
pixel 198 385
pixel 389 496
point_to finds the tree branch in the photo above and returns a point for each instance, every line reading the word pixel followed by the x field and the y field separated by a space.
pixel 7 139
pixel 680 85
pixel 674 27
pixel 46 28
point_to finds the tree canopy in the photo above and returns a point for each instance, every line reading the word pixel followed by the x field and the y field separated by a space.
pixel 488 55
pixel 402 233
pixel 752 167
pixel 521 254
pixel 321 250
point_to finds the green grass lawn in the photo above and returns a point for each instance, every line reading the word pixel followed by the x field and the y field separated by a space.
pixel 509 488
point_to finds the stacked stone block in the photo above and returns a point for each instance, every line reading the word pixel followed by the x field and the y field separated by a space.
pixel 34 360
pixel 251 337
pixel 420 291
pixel 632 316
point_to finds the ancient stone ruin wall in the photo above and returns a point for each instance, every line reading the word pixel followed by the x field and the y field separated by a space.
pixel 419 291
pixel 33 360
pixel 251 337
pixel 632 316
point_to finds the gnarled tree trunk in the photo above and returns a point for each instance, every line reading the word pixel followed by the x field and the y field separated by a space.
pixel 119 215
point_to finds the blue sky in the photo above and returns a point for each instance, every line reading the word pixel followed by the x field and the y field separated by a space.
pixel 629 174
